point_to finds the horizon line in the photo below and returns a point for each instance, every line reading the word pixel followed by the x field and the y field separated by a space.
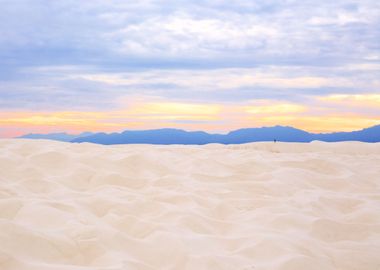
pixel 171 128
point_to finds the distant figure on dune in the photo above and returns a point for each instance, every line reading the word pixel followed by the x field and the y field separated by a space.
pixel 274 140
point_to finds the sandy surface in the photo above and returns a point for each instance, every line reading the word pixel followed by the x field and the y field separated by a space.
pixel 254 206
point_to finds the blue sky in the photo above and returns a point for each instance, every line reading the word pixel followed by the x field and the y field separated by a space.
pixel 212 65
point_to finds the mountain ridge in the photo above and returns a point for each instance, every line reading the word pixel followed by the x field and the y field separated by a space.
pixel 57 136
pixel 166 136
pixel 245 135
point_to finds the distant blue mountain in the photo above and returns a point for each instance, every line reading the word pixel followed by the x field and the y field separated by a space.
pixel 63 137
pixel 156 136
pixel 371 134
pixel 178 136
pixel 279 133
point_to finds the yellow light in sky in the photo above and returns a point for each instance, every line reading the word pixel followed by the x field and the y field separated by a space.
pixel 275 109
pixel 356 100
pixel 174 108
pixel 152 113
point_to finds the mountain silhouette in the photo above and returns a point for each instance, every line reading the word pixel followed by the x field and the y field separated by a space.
pixel 278 133
pixel 371 134
pixel 62 136
pixel 156 136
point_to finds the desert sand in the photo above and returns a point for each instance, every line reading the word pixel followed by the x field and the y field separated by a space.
pixel 254 206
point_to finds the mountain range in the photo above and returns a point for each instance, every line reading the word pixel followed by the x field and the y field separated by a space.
pixel 178 136
pixel 62 136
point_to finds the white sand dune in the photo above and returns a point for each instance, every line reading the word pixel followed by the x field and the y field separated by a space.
pixel 254 206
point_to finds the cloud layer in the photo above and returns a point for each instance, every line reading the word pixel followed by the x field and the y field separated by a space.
pixel 319 60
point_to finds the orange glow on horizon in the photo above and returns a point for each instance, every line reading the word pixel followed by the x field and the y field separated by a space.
pixel 151 114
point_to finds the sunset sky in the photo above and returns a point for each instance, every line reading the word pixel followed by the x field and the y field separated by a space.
pixel 213 65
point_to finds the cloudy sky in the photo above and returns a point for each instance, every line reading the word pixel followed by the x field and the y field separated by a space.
pixel 217 65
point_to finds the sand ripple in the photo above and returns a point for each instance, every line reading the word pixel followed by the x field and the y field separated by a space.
pixel 250 207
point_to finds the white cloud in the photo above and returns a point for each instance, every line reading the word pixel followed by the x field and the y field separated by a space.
pixel 180 33
pixel 218 30
pixel 85 53
pixel 220 79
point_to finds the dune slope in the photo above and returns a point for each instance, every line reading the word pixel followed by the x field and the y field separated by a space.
pixel 254 206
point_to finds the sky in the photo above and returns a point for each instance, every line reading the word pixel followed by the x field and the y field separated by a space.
pixel 217 65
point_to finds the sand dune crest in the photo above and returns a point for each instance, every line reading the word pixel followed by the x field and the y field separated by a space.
pixel 253 206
